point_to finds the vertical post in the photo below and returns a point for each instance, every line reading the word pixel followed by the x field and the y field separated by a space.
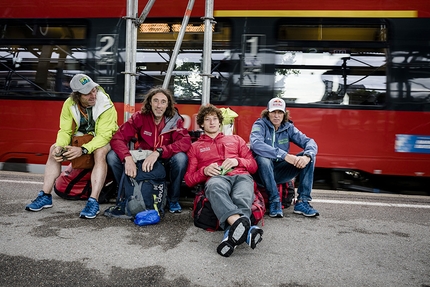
pixel 130 59
pixel 133 62
pixel 178 43
pixel 207 52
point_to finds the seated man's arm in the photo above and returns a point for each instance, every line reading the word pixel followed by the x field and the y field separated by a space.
pixel 195 172
pixel 181 142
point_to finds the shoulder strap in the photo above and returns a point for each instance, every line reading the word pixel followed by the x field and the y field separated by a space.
pixel 76 180
pixel 73 126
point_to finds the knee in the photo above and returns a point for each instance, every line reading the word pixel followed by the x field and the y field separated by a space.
pixel 51 149
pixel 180 160
pixel 263 162
pixel 112 158
pixel 100 154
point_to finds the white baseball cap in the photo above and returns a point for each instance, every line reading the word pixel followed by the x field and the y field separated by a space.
pixel 82 83
pixel 276 104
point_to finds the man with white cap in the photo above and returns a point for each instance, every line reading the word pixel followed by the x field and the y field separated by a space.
pixel 270 141
pixel 90 110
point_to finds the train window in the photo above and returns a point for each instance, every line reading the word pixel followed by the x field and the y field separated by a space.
pixel 39 70
pixel 31 31
pixel 410 80
pixel 38 60
pixel 332 32
pixel 156 42
pixel 331 78
pixel 331 64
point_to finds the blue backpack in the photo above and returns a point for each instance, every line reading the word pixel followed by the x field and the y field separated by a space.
pixel 148 190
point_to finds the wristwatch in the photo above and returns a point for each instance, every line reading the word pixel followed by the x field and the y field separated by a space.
pixel 84 150
pixel 160 150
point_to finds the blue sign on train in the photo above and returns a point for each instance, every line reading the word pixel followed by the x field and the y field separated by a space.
pixel 412 143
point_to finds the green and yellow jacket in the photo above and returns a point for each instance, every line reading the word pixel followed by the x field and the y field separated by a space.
pixel 104 115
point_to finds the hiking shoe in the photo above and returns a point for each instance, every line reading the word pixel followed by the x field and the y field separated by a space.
pixel 226 247
pixel 305 209
pixel 174 207
pixel 276 209
pixel 239 230
pixel 255 235
pixel 42 201
pixel 286 202
pixel 91 209
pixel 116 211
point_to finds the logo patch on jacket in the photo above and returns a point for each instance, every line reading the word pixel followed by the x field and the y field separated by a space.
pixel 283 141
pixel 205 149
pixel 147 133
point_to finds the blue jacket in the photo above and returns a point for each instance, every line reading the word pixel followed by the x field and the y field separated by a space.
pixel 267 142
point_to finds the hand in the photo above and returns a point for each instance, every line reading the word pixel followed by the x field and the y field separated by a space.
pixel 58 154
pixel 301 161
pixel 230 163
pixel 212 170
pixel 130 168
pixel 148 163
pixel 71 152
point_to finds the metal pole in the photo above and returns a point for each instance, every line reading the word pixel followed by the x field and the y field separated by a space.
pixel 129 26
pixel 130 62
pixel 207 51
pixel 145 12
pixel 178 43
pixel 133 61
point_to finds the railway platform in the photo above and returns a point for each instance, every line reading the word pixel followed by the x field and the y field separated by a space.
pixel 360 239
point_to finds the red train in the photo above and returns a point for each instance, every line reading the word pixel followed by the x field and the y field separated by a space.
pixel 355 75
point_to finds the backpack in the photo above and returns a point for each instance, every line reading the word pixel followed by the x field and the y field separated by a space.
pixel 204 216
pixel 146 191
pixel 75 184
pixel 286 193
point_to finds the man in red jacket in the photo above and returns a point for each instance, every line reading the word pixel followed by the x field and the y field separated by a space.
pixel 225 164
pixel 159 128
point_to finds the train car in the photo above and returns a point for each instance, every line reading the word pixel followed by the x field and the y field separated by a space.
pixel 355 76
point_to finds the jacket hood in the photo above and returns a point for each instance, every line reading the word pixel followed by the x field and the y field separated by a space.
pixel 206 138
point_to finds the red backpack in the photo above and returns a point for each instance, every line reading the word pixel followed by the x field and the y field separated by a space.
pixel 286 194
pixel 204 216
pixel 76 184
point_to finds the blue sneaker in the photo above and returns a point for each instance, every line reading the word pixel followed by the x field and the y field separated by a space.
pixel 305 209
pixel 234 235
pixel 276 209
pixel 174 207
pixel 42 201
pixel 255 235
pixel 226 247
pixel 239 230
pixel 91 209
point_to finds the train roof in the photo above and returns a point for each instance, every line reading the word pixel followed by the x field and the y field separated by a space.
pixel 222 8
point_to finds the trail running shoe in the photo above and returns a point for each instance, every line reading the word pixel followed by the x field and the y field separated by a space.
pixel 255 235
pixel 91 209
pixel 304 208
pixel 226 247
pixel 42 201
pixel 276 209
pixel 175 207
pixel 239 230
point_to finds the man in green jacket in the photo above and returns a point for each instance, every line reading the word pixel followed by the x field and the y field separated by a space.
pixel 90 110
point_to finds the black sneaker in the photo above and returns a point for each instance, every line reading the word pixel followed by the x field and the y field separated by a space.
pixel 116 211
